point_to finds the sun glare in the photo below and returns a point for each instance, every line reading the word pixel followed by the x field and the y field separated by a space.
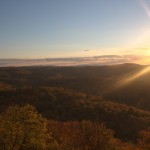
pixel 136 76
pixel 129 78
pixel 146 8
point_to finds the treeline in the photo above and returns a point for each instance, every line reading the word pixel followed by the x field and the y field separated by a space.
pixel 66 105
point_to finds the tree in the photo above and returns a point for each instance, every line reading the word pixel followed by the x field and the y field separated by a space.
pixel 144 139
pixel 23 128
pixel 85 135
pixel 96 136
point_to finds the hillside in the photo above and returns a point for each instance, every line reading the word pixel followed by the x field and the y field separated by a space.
pixel 66 105
pixel 126 83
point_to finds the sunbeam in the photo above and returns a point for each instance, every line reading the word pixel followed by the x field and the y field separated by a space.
pixel 135 76
pixel 128 79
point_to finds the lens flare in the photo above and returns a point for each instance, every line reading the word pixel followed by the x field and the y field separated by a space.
pixel 145 7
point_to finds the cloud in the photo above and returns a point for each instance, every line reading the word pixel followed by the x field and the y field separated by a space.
pixel 95 60
pixel 136 50
pixel 88 50
pixel 142 49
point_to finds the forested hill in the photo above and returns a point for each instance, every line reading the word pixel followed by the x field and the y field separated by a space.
pixel 66 105
pixel 117 96
pixel 127 83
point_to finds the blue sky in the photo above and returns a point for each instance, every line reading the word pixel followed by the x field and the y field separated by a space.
pixel 73 28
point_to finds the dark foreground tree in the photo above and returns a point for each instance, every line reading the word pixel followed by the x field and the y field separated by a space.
pixel 23 128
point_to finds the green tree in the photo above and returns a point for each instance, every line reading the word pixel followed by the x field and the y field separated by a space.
pixel 23 128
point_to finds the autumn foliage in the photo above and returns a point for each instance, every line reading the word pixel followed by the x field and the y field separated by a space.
pixel 23 128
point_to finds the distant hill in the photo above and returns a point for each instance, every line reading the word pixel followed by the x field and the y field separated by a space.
pixel 124 83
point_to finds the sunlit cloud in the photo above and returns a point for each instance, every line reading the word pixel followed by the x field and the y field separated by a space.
pixel 74 61
pixel 142 49
pixel 137 50
pixel 87 50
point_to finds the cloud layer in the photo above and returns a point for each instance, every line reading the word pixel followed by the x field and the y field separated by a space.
pixel 95 60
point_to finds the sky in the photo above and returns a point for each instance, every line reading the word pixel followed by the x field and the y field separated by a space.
pixel 74 28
